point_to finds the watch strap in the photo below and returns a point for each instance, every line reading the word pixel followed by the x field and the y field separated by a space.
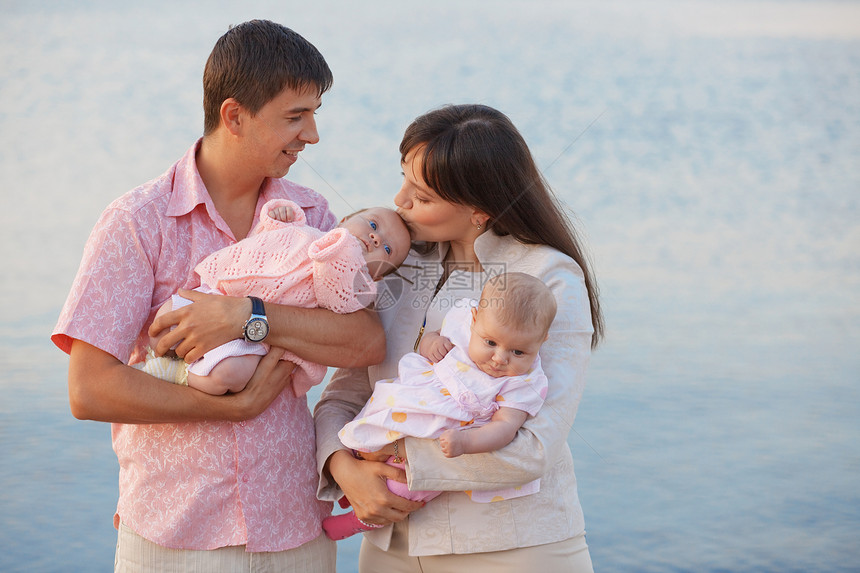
pixel 257 306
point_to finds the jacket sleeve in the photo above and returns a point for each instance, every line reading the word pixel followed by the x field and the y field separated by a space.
pixel 538 443
pixel 342 399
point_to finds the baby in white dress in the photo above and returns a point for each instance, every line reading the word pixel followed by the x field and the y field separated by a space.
pixel 472 385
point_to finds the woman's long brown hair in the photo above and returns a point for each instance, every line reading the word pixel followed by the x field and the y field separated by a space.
pixel 474 155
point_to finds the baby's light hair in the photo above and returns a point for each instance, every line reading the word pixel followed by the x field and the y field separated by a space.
pixel 520 300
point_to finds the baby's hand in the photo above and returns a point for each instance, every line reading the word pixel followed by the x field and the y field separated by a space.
pixel 282 213
pixel 434 346
pixel 451 442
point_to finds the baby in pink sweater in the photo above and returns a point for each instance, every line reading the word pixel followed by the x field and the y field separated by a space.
pixel 285 261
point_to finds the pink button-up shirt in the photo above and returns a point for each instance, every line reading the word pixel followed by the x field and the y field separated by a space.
pixel 192 485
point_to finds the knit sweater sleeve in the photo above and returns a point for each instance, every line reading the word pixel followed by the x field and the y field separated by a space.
pixel 269 262
pixel 341 280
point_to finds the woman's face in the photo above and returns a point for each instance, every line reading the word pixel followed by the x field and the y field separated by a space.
pixel 429 217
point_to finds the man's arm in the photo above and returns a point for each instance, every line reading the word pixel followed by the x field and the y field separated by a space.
pixel 104 389
pixel 315 334
pixel 349 340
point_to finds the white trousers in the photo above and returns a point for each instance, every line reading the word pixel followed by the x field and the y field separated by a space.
pixel 134 554
pixel 568 556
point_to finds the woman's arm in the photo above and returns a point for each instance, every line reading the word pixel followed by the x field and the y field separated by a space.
pixel 315 334
pixel 361 481
pixel 104 389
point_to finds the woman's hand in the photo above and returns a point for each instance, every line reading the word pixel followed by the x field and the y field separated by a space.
pixel 363 483
pixel 211 321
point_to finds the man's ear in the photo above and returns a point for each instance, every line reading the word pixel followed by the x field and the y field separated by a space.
pixel 232 116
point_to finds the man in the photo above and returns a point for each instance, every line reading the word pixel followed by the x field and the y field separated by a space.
pixel 212 479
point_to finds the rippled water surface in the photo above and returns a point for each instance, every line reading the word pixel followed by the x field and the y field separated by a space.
pixel 709 150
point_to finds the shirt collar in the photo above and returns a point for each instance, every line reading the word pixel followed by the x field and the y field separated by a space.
pixel 188 188
pixel 189 191
pixel 492 248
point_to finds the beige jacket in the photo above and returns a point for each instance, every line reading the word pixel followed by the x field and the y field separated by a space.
pixel 452 523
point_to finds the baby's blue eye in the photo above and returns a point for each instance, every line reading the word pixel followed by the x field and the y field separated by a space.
pixel 387 250
pixel 518 352
pixel 491 342
pixel 373 225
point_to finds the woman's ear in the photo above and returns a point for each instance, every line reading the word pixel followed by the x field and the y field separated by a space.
pixel 231 115
pixel 479 219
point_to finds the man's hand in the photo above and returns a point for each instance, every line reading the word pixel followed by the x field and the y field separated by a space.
pixel 272 377
pixel 211 321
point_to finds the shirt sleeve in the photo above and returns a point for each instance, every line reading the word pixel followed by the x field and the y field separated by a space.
pixel 111 298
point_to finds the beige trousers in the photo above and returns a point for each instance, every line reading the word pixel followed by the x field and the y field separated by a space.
pixel 568 556
pixel 134 554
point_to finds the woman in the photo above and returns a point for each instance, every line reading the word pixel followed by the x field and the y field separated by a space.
pixel 473 194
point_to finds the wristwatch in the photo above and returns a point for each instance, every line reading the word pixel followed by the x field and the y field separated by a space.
pixel 256 327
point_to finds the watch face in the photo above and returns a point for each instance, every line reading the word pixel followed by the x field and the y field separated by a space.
pixel 256 330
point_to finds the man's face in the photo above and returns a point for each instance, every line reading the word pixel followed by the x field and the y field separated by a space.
pixel 274 136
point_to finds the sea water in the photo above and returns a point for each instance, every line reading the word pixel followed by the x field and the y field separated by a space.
pixel 708 149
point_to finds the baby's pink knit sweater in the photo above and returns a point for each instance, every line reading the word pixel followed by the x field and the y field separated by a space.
pixel 293 264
